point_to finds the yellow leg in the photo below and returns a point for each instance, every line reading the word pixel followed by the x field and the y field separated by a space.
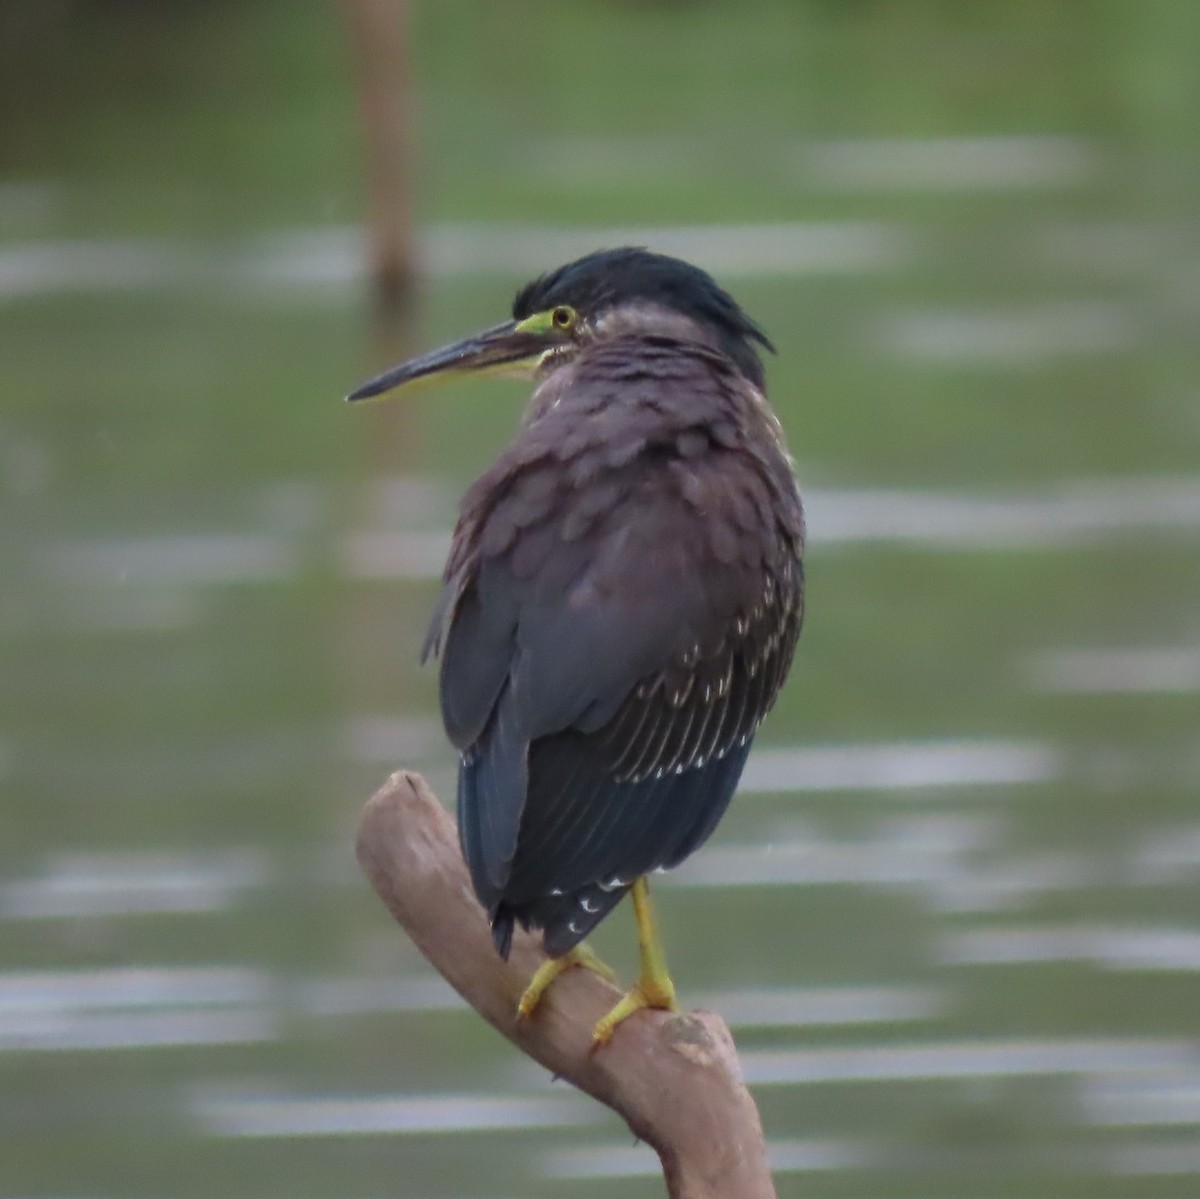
pixel 549 970
pixel 654 988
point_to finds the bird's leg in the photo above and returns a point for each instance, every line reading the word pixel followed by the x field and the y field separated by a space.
pixel 654 988
pixel 549 970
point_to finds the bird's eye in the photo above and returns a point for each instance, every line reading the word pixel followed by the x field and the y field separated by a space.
pixel 564 317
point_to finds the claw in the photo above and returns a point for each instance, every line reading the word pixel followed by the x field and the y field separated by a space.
pixel 548 971
pixel 643 995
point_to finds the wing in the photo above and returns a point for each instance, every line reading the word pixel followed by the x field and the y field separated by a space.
pixel 604 662
pixel 644 790
pixel 621 605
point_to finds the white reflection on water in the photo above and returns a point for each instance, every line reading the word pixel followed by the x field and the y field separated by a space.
pixel 185 559
pixel 116 884
pixel 273 1115
pixel 1114 247
pixel 816 861
pixel 937 856
pixel 1004 338
pixel 60 1030
pixel 364 996
pixel 640 1161
pixel 135 1008
pixel 986 162
pixel 966 1059
pixel 66 267
pixel 1167 856
pixel 1076 513
pixel 797 1007
pixel 982 163
pixel 395 554
pixel 899 766
pixel 1127 1102
pixel 132 611
pixel 1125 947
pixel 132 987
pixel 1159 1158
pixel 1154 671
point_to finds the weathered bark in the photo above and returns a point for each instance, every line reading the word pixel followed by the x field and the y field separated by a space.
pixel 675 1079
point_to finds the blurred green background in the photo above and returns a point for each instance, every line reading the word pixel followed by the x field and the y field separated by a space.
pixel 953 919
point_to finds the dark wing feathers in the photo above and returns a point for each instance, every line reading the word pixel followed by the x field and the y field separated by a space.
pixel 613 636
pixel 475 664
pixel 493 780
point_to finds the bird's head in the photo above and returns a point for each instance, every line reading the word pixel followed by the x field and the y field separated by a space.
pixel 602 295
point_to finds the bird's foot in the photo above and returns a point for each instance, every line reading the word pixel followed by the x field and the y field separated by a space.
pixel 548 971
pixel 652 990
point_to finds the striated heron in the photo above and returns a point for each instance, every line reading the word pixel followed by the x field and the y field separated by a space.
pixel 621 602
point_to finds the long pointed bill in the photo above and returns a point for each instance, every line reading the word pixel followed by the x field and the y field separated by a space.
pixel 501 349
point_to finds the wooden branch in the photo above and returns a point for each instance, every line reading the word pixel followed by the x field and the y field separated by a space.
pixel 675 1079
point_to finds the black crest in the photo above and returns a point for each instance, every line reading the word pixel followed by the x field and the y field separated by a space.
pixel 608 278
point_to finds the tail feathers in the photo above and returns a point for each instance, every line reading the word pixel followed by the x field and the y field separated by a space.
pixel 564 919
pixel 492 781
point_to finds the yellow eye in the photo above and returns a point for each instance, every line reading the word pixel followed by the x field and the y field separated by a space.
pixel 564 317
